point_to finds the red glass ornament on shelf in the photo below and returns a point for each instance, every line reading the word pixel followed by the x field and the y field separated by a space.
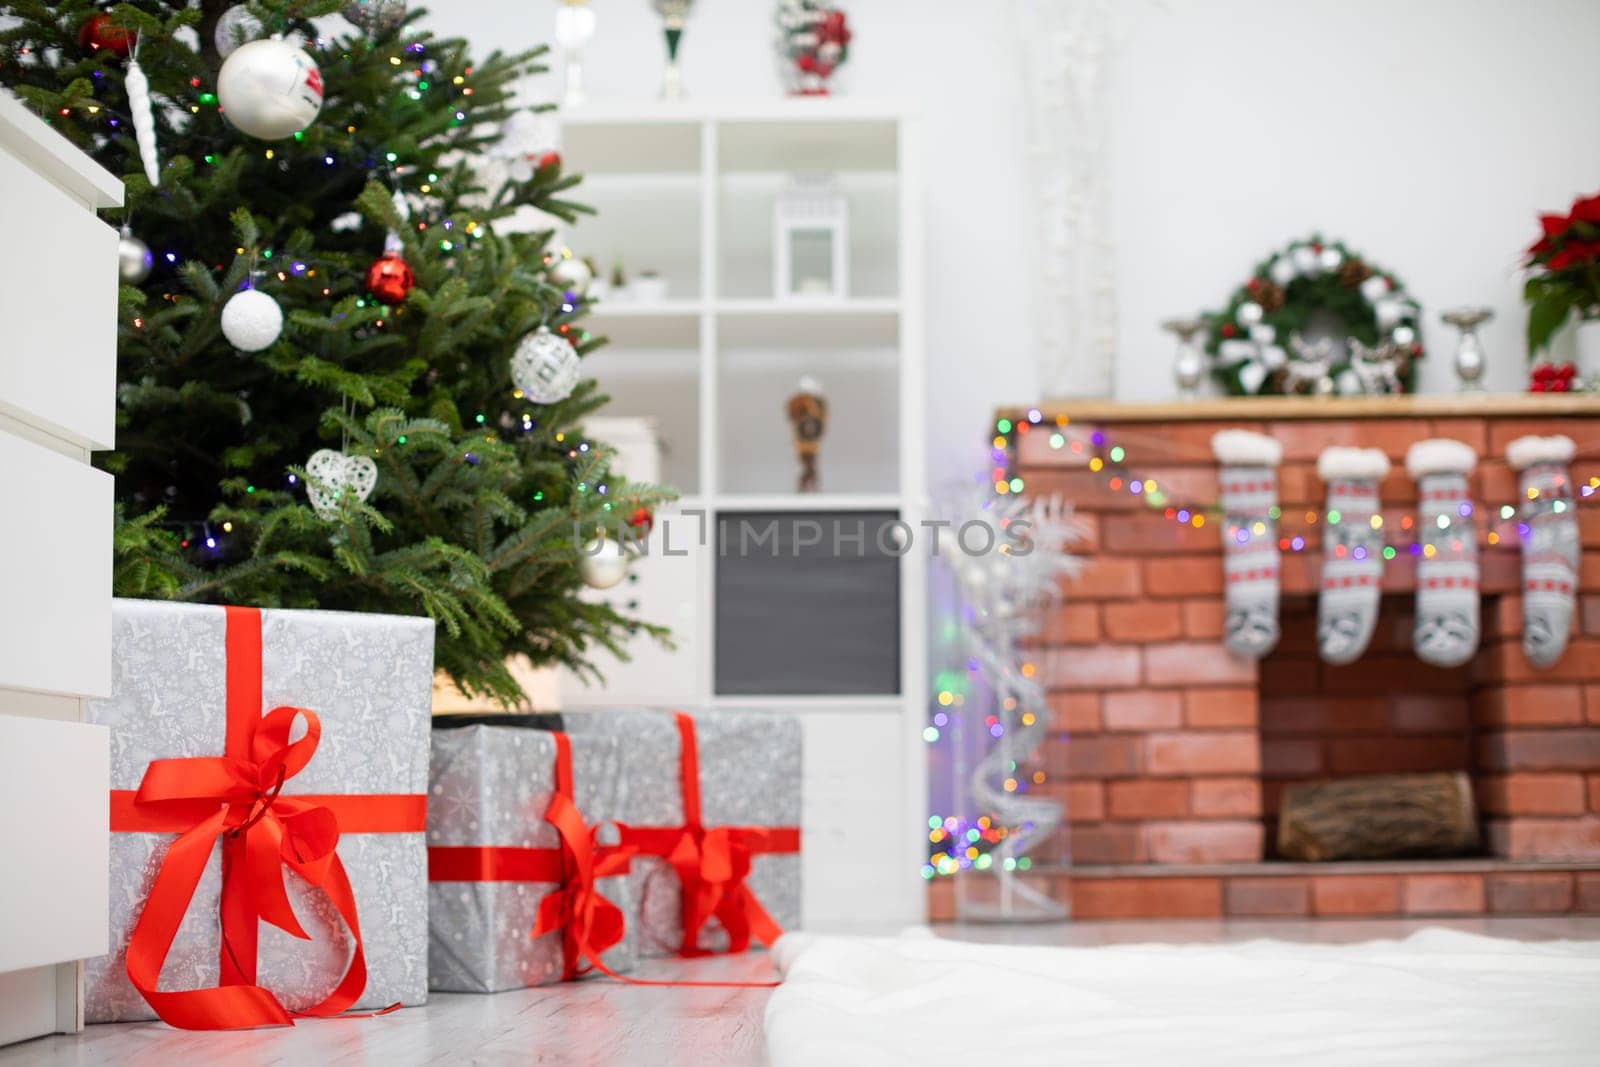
pixel 390 278
pixel 101 33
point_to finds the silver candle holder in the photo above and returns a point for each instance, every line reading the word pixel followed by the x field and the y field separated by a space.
pixel 1470 360
pixel 1189 365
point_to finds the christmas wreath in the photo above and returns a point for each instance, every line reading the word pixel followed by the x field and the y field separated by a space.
pixel 1366 322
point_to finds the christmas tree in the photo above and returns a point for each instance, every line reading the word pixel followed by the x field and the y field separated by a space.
pixel 399 361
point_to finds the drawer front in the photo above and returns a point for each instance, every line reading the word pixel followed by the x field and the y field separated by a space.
pixel 55 572
pixel 55 779
pixel 853 822
pixel 59 305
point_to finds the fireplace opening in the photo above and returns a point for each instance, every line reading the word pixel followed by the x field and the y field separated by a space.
pixel 1386 713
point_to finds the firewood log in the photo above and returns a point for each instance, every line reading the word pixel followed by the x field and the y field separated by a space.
pixel 1382 817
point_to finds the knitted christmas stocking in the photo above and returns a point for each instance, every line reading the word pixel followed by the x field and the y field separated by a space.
pixel 1249 497
pixel 1446 633
pixel 1352 552
pixel 1550 545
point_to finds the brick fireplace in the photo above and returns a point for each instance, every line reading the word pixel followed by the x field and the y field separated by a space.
pixel 1171 754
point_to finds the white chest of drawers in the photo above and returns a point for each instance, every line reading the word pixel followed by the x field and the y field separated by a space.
pixel 58 356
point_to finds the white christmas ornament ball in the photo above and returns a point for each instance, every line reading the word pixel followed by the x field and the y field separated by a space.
pixel 571 275
pixel 235 27
pixel 270 89
pixel 1249 313
pixel 544 367
pixel 251 320
pixel 133 259
pixel 603 564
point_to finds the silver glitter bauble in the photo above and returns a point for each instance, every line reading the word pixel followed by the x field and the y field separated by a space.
pixel 251 320
pixel 133 259
pixel 235 27
pixel 571 275
pixel 376 16
pixel 603 564
pixel 545 367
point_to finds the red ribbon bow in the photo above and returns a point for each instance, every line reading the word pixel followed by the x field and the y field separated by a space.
pixel 590 923
pixel 712 865
pixel 237 799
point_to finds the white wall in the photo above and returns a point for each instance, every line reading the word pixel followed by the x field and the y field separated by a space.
pixel 1427 134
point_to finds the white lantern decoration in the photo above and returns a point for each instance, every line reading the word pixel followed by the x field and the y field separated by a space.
pixel 270 89
pixel 251 320
pixel 811 243
pixel 545 367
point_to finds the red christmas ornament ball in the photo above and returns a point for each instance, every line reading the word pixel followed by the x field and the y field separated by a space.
pixel 549 161
pixel 642 520
pixel 100 33
pixel 390 278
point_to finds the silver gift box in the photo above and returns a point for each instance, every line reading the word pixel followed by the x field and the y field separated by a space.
pixel 749 776
pixel 491 786
pixel 369 680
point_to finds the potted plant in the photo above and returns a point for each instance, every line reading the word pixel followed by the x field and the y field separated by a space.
pixel 1565 278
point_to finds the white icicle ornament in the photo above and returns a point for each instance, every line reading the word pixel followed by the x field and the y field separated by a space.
pixel 144 120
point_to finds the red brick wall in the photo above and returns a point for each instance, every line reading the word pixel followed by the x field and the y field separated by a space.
pixel 1172 751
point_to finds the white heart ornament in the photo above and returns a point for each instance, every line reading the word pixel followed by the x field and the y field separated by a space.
pixel 330 474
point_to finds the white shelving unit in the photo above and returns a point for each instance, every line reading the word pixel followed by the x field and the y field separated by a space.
pixel 687 189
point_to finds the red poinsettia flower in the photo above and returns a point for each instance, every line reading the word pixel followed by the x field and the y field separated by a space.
pixel 1576 253
pixel 1586 209
pixel 1553 226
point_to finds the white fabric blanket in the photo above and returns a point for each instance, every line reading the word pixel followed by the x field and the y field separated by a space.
pixel 1437 997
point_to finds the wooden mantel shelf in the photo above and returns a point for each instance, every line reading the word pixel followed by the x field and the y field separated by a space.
pixel 1248 408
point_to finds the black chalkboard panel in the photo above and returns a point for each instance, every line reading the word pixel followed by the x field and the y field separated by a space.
pixel 808 603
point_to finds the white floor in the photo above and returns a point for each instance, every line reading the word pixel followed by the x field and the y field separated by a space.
pixel 606 1023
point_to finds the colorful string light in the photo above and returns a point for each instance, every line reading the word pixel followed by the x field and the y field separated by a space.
pixel 1111 462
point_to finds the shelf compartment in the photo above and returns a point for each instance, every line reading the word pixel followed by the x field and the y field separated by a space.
pixel 819 323
pixel 860 450
pixel 746 203
pixel 804 609
pixel 661 383
pixel 595 143
pixel 818 141
pixel 670 325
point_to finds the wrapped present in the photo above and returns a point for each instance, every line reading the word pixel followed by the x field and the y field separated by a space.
pixel 264 863
pixel 527 884
pixel 710 805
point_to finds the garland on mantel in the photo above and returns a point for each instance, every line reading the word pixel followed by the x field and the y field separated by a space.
pixel 1259 340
